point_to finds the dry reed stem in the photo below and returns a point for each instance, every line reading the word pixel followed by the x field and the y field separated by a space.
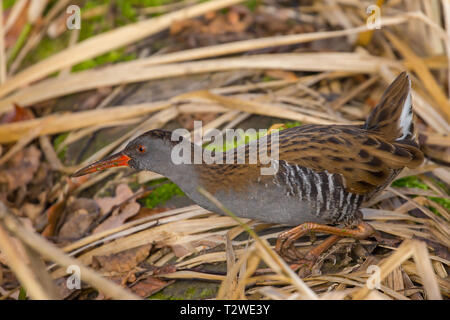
pixel 409 248
pixel 36 36
pixel 14 14
pixel 162 233
pixel 123 73
pixel 241 46
pixel 55 123
pixel 49 251
pixel 107 41
pixel 22 270
pixel 253 107
pixel 24 140
pixel 423 73
pixel 2 48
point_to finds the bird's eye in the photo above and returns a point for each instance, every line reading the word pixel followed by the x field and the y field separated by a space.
pixel 141 149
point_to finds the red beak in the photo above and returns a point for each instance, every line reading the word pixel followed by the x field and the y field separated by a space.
pixel 115 160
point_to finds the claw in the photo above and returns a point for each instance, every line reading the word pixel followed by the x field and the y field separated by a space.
pixel 303 267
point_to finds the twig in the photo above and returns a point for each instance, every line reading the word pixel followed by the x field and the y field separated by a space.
pixel 21 269
pixel 60 123
pixel 108 41
pixel 51 252
pixel 2 48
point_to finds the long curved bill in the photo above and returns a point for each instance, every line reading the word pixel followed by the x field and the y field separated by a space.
pixel 115 160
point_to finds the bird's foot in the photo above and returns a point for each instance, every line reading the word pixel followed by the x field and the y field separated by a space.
pixel 302 263
pixel 304 267
pixel 298 262
pixel 290 254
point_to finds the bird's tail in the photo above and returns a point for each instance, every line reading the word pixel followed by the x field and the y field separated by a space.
pixel 393 117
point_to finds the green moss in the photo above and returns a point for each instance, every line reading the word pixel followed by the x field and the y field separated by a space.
pixel 134 186
pixel 58 140
pixel 46 48
pixel 22 294
pixel 410 182
pixel 415 182
pixel 252 4
pixel 189 294
pixel 110 57
pixel 89 28
pixel 208 293
pixel 8 4
pixel 98 25
pixel 20 41
pixel 442 201
pixel 161 194
pixel 292 124
pixel 162 296
pixel 126 9
pixel 126 13
pixel 442 185
pixel 244 139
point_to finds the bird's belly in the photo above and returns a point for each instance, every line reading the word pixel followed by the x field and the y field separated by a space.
pixel 270 206
pixel 274 206
pixel 267 203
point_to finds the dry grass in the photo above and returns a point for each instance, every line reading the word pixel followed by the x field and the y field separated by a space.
pixel 412 270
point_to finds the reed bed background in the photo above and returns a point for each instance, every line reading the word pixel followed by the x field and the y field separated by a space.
pixel 323 65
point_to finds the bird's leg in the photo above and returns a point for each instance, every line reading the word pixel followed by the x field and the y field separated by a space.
pixel 285 241
pixel 305 264
pixel 315 252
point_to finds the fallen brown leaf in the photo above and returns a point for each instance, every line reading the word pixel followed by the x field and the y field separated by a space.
pixel 80 214
pixel 123 261
pixel 17 114
pixel 129 210
pixel 149 286
pixel 20 169
pixel 123 192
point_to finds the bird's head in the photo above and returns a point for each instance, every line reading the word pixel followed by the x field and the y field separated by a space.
pixel 146 152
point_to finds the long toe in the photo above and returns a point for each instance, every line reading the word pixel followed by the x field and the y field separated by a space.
pixel 303 267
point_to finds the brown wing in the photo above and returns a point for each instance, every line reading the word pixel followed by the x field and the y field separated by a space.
pixel 363 158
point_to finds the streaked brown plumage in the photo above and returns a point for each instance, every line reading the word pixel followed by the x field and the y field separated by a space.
pixel 325 172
